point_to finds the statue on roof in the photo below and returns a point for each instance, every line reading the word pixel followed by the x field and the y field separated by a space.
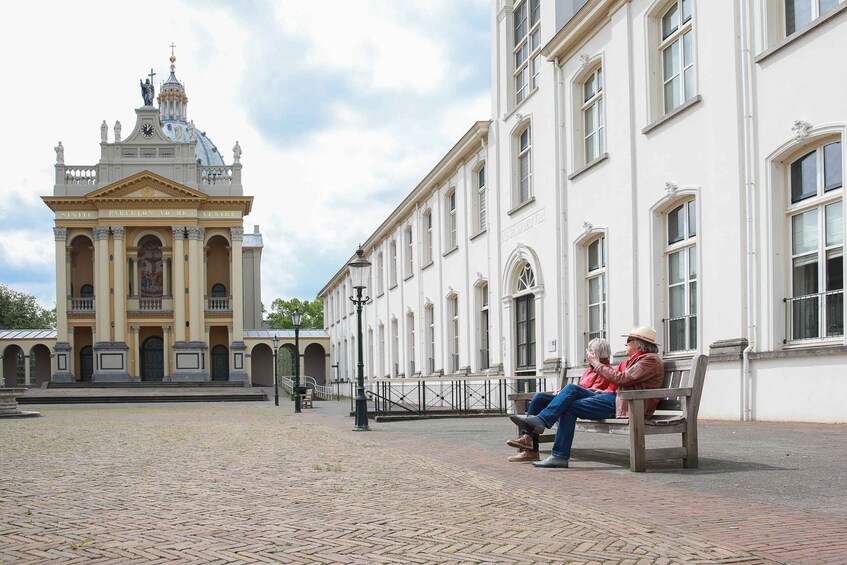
pixel 146 92
pixel 236 153
pixel 117 131
pixel 60 154
pixel 104 132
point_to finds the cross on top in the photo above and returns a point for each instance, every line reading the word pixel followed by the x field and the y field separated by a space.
pixel 151 75
pixel 172 46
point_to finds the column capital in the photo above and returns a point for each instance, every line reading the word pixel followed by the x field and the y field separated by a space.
pixel 61 234
pixel 118 232
pixel 179 232
pixel 166 329
pixel 237 234
pixel 196 232
pixel 101 232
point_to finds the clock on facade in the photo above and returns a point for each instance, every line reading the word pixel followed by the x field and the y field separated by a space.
pixel 147 130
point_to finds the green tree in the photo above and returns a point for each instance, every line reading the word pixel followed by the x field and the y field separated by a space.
pixel 279 317
pixel 20 311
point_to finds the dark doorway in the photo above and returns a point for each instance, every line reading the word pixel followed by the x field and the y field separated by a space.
pixel 220 363
pixel 86 364
pixel 152 359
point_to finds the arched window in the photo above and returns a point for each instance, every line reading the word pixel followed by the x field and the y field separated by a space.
pixel 429 313
pixel 525 319
pixel 681 269
pixel 86 291
pixel 816 224
pixel 595 283
pixel 453 309
pixel 483 333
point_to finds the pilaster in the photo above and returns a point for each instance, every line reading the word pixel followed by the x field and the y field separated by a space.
pixel 195 276
pixel 61 237
pixel 237 347
pixel 120 284
pixel 101 281
pixel 179 283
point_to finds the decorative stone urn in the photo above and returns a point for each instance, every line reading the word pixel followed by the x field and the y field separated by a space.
pixel 9 403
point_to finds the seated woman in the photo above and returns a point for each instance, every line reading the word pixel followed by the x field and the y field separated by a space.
pixel 642 369
pixel 527 443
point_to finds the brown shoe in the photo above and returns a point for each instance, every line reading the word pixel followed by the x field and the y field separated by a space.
pixel 524 457
pixel 524 442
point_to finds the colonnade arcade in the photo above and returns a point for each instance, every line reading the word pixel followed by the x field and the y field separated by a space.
pixel 149 302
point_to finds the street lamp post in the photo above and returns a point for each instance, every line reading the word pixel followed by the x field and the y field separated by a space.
pixel 360 271
pixel 296 318
pixel 276 378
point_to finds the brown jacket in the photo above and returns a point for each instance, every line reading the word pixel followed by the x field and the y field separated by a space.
pixel 645 371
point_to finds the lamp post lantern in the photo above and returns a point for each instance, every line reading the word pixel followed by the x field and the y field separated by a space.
pixel 296 319
pixel 276 378
pixel 360 272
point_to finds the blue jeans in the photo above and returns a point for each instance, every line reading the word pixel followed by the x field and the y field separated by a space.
pixel 571 403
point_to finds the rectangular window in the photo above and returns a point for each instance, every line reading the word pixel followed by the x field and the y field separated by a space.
pixel 526 18
pixel 484 357
pixel 800 13
pixel 481 197
pixel 393 267
pixel 452 240
pixel 524 164
pixel 596 288
pixel 592 116
pixel 428 238
pixel 681 264
pixel 380 273
pixel 409 253
pixel 676 48
pixel 454 334
pixel 395 349
pixel 410 344
pixel 430 340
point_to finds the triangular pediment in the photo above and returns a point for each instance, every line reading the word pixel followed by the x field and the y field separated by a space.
pixel 146 186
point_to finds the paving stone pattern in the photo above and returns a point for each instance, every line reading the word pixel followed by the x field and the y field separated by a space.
pixel 251 483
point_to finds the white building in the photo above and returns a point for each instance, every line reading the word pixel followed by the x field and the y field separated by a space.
pixel 675 163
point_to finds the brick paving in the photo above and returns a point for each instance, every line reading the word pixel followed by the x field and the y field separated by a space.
pixel 251 483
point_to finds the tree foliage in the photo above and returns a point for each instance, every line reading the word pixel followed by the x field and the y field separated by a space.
pixel 20 311
pixel 279 317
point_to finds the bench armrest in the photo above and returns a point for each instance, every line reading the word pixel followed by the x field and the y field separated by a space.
pixel 521 396
pixel 654 393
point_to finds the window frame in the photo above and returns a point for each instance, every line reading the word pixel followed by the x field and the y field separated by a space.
pixel 484 334
pixel 409 263
pixel 429 319
pixel 427 227
pixel 522 153
pixel 683 247
pixel 666 42
pixel 599 273
pixel 380 273
pixel 596 102
pixel 451 224
pixel 526 60
pixel 453 344
pixel 480 199
pixel 524 303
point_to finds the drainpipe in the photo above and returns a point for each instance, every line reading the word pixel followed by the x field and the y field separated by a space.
pixel 746 380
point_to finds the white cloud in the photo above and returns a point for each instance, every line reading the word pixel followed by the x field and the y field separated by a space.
pixel 316 197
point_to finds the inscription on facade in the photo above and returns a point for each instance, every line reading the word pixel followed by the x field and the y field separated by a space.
pixel 76 215
pixel 523 225
pixel 229 214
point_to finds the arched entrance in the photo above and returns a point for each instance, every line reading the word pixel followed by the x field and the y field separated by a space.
pixel 220 363
pixel 13 366
pixel 262 365
pixel 86 364
pixel 315 362
pixel 152 359
pixel 41 372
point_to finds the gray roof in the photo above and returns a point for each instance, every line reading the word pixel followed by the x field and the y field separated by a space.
pixel 288 334
pixel 27 334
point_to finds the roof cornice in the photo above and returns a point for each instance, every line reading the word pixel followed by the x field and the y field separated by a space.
pixel 580 28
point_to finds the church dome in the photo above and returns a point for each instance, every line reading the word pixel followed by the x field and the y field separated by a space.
pixel 172 111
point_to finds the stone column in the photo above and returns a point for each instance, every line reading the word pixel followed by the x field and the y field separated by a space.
pixel 236 284
pixel 237 347
pixel 134 262
pixel 195 276
pixel 27 375
pixel 120 284
pixel 101 284
pixel 179 283
pixel 62 275
pixel 166 334
pixel 136 353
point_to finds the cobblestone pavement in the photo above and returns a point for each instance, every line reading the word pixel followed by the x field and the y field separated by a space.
pixel 251 483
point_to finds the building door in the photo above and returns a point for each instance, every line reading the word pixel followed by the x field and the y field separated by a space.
pixel 152 359
pixel 220 363
pixel 86 364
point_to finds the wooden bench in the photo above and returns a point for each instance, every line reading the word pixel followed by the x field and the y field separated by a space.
pixel 676 414
pixel 306 398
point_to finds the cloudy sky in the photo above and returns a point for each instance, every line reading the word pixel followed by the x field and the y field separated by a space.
pixel 340 108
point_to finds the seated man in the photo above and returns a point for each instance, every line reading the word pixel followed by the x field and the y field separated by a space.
pixel 590 380
pixel 642 369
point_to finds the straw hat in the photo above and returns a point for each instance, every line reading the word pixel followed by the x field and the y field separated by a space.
pixel 643 333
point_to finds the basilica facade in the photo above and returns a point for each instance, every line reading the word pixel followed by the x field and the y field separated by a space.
pixel 156 279
pixel 670 163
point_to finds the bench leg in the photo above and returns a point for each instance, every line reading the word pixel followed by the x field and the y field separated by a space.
pixel 689 442
pixel 637 455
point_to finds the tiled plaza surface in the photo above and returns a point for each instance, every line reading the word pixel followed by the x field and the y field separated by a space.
pixel 253 483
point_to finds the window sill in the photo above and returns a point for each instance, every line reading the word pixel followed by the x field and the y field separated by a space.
pixel 477 234
pixel 517 106
pixel 427 266
pixel 381 294
pixel 392 287
pixel 521 206
pixel 408 277
pixel 832 346
pixel 785 42
pixel 446 253
pixel 672 114
pixel 588 165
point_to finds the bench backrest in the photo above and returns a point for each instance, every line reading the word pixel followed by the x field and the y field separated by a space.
pixel 678 373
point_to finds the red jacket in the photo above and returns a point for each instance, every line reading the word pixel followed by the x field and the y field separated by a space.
pixel 641 371
pixel 592 381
